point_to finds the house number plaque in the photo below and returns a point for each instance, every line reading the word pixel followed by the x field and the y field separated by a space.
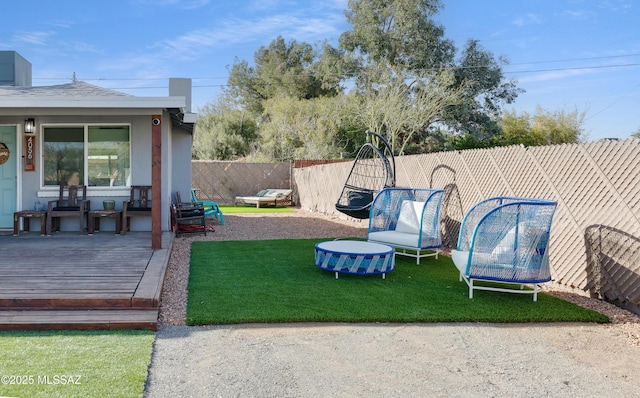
pixel 29 153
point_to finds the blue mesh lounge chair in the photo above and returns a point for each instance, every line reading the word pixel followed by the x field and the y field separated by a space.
pixel 505 240
pixel 407 219
pixel 211 208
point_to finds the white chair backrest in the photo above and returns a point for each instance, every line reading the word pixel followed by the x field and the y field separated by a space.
pixel 410 218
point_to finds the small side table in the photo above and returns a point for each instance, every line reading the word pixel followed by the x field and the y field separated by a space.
pixel 355 257
pixel 26 216
pixel 96 215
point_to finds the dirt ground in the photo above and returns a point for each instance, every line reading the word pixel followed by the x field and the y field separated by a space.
pixel 391 360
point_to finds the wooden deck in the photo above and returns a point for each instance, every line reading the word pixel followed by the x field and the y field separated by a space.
pixel 69 281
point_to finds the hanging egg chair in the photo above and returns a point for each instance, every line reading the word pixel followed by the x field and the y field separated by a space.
pixel 373 169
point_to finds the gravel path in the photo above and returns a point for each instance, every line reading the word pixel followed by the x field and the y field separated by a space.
pixel 345 360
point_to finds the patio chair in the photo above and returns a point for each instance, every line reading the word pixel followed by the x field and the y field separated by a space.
pixel 72 202
pixel 211 208
pixel 407 219
pixel 505 241
pixel 373 169
pixel 138 205
pixel 187 217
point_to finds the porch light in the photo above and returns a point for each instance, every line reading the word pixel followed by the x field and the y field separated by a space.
pixel 29 126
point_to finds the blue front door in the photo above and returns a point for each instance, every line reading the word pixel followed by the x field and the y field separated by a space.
pixel 8 175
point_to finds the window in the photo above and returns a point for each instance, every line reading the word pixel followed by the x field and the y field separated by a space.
pixel 108 159
pixel 63 152
pixel 89 155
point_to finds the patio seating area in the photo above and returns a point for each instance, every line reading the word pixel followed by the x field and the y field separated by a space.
pixel 101 281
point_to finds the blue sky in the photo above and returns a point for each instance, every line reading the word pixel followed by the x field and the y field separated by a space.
pixel 567 55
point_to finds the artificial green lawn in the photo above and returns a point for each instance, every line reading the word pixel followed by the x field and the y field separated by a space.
pixel 50 363
pixel 277 281
pixel 253 209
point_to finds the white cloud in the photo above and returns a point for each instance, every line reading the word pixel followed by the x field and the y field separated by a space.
pixel 83 47
pixel 527 19
pixel 183 4
pixel 37 38
pixel 59 23
pixel 238 32
pixel 555 75
pixel 616 5
pixel 264 5
pixel 579 14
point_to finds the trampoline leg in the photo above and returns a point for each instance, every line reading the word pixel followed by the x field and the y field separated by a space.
pixel 336 275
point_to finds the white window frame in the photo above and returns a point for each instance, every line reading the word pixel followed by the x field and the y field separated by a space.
pixel 52 191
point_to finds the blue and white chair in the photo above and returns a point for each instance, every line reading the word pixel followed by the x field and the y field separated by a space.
pixel 407 219
pixel 505 241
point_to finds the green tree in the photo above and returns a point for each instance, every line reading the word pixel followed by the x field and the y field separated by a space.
pixel 543 128
pixel 397 34
pixel 223 133
pixel 636 134
pixel 402 113
pixel 399 39
pixel 281 69
pixel 516 129
pixel 300 128
pixel 486 91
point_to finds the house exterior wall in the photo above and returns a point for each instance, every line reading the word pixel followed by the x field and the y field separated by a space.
pixel 176 149
pixel 180 162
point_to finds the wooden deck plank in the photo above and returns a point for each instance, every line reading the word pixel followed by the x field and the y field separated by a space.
pixel 89 293
pixel 150 287
pixel 76 316
pixel 76 303
pixel 87 320
pixel 73 273
pixel 48 279
pixel 70 272
pixel 72 282
pixel 53 293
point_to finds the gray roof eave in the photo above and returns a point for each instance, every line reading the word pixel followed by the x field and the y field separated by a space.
pixel 93 102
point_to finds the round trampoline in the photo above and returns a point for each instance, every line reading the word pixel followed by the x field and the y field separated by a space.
pixel 354 257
